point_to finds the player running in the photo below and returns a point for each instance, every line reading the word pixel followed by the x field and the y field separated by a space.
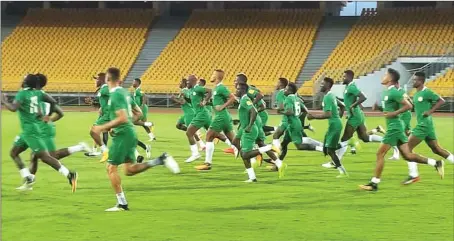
pixel 393 105
pixel 425 102
pixel 222 122
pixel 124 140
pixel 139 97
pixel 27 102
pixel 330 111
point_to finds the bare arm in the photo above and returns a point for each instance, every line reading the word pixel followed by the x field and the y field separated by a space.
pixel 178 99
pixel 324 115
pixel 437 105
pixel 207 95
pixel 361 98
pixel 10 106
pixel 122 117
pixel 261 107
pixel 253 116
pixel 405 106
pixel 258 98
pixel 229 102
pixel 341 106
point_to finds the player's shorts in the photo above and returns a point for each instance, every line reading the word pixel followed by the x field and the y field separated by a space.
pixel 144 110
pixel 32 141
pixel 355 121
pixel 102 120
pixel 248 139
pixel 284 123
pixel 201 119
pixel 333 134
pixel 424 132
pixel 295 132
pixel 264 116
pixel 406 123
pixel 123 148
pixel 395 138
pixel 48 133
pixel 222 122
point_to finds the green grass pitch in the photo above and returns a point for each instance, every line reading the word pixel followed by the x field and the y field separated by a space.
pixel 308 204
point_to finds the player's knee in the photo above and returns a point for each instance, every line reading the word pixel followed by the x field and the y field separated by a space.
pixel 380 154
pixel 408 156
pixel 13 154
pixel 436 150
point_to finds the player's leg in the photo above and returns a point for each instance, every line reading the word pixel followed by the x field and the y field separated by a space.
pixel 277 134
pixel 362 134
pixel 380 164
pixel 28 177
pixel 146 148
pixel 247 151
pixel 336 161
pixel 437 149
pixel 192 129
pixel 413 174
pixel 284 145
pixel 413 157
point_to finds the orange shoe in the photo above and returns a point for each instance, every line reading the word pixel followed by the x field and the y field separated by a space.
pixel 204 167
pixel 259 159
pixel 229 150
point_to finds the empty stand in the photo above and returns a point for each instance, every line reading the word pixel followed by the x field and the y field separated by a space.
pixel 443 85
pixel 388 33
pixel 72 45
pixel 265 45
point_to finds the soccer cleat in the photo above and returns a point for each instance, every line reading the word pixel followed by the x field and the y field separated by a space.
pixel 276 149
pixel 311 128
pixel 139 159
pixel 28 184
pixel 92 154
pixel 353 151
pixel 170 163
pixel 282 170
pixel 105 156
pixel 381 129
pixel 369 187
pixel 259 159
pixel 342 175
pixel 192 158
pixel 394 158
pixel 118 208
pixel 236 153
pixel 148 151
pixel 411 180
pixel 229 150
pixel 250 180
pixel 203 167
pixel 87 148
pixel 72 178
pixel 440 167
pixel 329 165
pixel 353 142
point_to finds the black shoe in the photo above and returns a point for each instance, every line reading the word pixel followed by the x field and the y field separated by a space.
pixel 353 152
pixel 72 178
pixel 369 187
pixel 118 208
pixel 140 159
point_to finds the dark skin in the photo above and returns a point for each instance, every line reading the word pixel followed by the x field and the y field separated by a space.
pixel 101 79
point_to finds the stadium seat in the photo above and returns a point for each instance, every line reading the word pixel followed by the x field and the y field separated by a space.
pixel 72 45
pixel 380 37
pixel 443 85
pixel 264 44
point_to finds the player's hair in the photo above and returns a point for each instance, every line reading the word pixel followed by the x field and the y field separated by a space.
pixel 242 85
pixel 329 81
pixel 421 75
pixel 30 80
pixel 219 71
pixel 114 73
pixel 283 81
pixel 242 77
pixel 293 87
pixel 349 73
pixel 395 76
pixel 138 81
pixel 42 80
pixel 203 81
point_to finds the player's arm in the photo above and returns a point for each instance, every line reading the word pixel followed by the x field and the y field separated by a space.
pixel 208 94
pixel 258 97
pixel 261 106
pixel 359 100
pixel 178 99
pixel 405 106
pixel 280 108
pixel 229 102
pixel 324 115
pixel 10 106
pixel 54 108
pixel 252 118
pixel 122 117
pixel 341 106
pixel 136 112
pixel 435 107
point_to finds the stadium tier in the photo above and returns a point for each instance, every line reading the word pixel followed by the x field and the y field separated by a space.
pixel 263 44
pixel 379 37
pixel 443 85
pixel 72 45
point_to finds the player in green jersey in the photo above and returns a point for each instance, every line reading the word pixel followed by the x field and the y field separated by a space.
pixel 184 99
pixel 393 105
pixel 222 122
pixel 250 132
pixel 331 112
pixel 139 98
pixel 425 102
pixel 26 103
pixel 209 104
pixel 124 140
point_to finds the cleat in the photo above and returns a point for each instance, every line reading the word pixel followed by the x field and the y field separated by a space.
pixel 353 142
pixel 118 208
pixel 272 168
pixel 328 165
pixel 203 167
pixel 148 151
pixel 259 159
pixel 192 158
pixel 28 184
pixel 87 148
pixel 411 180
pixel 311 128
pixel 282 170
pixel 394 158
pixel 369 187
pixel 216 141
pixel 236 153
pixel 92 154
pixel 105 156
pixel 440 167
pixel 353 151
pixel 250 180
pixel 276 149
pixel 229 150
pixel 139 159
pixel 170 163
pixel 342 175
pixel 72 178
pixel 380 129
pixel 342 172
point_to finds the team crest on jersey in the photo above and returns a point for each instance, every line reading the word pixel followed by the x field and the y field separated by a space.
pixel 214 92
pixel 194 93
pixel 251 92
pixel 108 102
pixel 99 94
pixel 248 102
pixel 323 103
pixel 386 97
pixel 420 98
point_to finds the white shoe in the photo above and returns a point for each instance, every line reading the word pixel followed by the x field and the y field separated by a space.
pixel 192 158
pixel 117 208
pixel 394 158
pixel 236 152
pixel 172 165
pixel 311 128
pixel 148 151
pixel 93 154
pixel 148 124
pixel 28 185
pixel 86 147
pixel 328 165
pixel 251 180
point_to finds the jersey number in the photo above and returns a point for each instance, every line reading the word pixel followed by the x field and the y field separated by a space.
pixel 34 105
pixel 297 108
pixel 128 100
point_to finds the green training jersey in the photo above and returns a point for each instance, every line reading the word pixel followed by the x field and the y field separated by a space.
pixel 406 115
pixel 45 111
pixel 137 96
pixel 280 98
pixel 186 107
pixel 423 101
pixel 351 93
pixel 243 111
pixel 29 100
pixel 330 104
pixel 220 96
pixel 197 95
pixel 120 100
pixel 293 103
pixel 103 96
pixel 391 101
pixel 252 93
